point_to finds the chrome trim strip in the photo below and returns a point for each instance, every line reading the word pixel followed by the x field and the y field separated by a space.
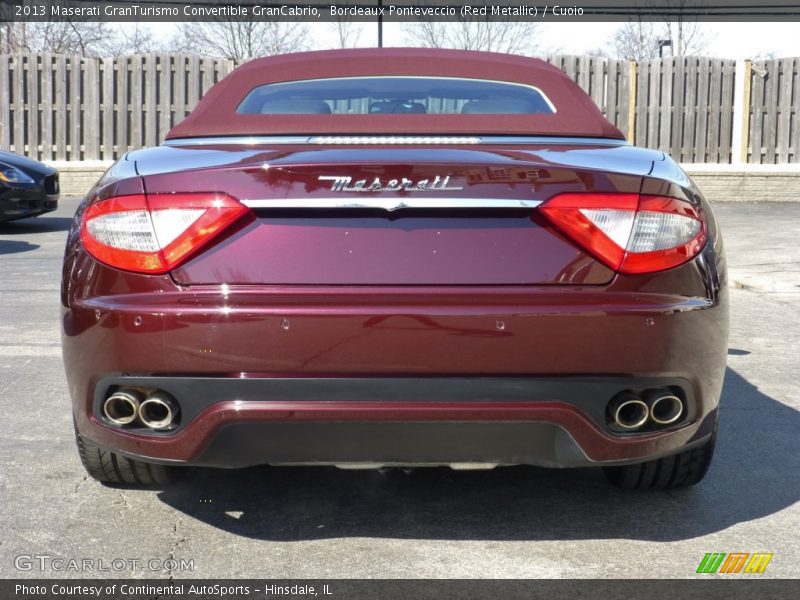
pixel 391 203
pixel 241 140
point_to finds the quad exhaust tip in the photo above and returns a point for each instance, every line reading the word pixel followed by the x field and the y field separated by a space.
pixel 665 408
pixel 158 411
pixel 629 411
pixel 122 407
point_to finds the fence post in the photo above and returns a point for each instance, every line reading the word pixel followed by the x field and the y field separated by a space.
pixel 5 105
pixel 32 102
pixel 19 106
pixel 741 113
pixel 632 102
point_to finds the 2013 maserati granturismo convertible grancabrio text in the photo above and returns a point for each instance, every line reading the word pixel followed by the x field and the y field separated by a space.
pixel 395 257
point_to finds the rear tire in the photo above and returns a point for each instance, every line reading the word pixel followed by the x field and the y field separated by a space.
pixel 677 471
pixel 108 467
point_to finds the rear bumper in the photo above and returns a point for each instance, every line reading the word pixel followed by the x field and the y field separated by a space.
pixel 259 435
pixel 230 422
pixel 395 375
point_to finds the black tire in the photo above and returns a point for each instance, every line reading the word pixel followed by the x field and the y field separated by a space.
pixel 108 467
pixel 677 471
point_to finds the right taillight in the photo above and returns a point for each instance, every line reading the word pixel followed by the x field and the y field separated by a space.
pixel 628 232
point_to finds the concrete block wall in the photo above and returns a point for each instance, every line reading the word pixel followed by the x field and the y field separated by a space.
pixel 77 178
pixel 720 183
pixel 756 183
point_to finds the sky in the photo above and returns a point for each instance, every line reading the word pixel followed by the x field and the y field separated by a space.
pixel 726 40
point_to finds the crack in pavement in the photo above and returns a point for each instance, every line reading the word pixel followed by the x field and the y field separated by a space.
pixel 125 504
pixel 80 483
pixel 179 540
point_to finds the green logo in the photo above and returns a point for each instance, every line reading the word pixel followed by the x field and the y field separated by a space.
pixel 734 562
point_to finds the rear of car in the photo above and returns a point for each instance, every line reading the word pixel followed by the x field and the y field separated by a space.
pixel 436 258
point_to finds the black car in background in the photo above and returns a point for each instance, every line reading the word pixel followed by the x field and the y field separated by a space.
pixel 27 187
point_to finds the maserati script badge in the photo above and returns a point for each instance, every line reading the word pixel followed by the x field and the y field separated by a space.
pixel 342 183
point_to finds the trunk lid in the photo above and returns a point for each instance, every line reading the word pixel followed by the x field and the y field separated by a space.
pixel 394 215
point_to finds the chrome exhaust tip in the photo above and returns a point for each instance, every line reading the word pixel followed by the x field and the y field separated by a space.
pixel 629 412
pixel 158 411
pixel 122 406
pixel 665 408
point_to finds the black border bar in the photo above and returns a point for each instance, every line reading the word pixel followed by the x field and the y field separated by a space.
pixel 366 11
pixel 709 587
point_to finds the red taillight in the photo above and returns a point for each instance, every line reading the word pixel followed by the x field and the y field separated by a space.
pixel 629 233
pixel 155 233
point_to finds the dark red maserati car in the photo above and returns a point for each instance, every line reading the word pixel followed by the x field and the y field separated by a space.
pixel 395 257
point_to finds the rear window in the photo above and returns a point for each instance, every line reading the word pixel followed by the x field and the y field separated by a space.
pixel 396 95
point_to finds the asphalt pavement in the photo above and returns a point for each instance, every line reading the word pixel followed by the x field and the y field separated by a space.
pixel 515 522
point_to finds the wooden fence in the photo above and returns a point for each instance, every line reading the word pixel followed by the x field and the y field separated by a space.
pixel 773 113
pixel 57 107
pixel 685 107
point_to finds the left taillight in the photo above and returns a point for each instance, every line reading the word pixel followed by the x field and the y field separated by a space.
pixel 155 233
